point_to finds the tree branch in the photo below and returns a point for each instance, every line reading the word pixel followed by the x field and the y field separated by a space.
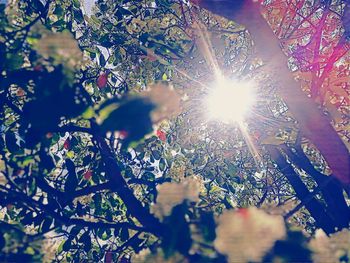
pixel 316 209
pixel 119 185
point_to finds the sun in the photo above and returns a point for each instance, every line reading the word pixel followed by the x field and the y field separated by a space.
pixel 229 100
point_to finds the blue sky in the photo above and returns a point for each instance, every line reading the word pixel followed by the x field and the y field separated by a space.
pixel 88 4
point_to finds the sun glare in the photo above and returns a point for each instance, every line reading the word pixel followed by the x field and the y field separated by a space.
pixel 229 100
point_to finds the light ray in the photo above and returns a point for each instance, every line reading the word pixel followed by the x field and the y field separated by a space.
pixel 251 144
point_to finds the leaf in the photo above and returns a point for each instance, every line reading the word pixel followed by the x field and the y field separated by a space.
pixel 11 142
pixel 75 231
pixel 46 161
pixel 27 219
pixel 124 234
pixel 72 180
pixel 102 80
pixel 76 3
pixel 177 236
pixel 156 154
pixel 102 60
pixel 208 225
pixel 14 61
pixel 148 176
pixel 70 154
pixel 2 241
pixel 162 164
pixel 86 240
pixel 67 245
pixel 78 15
pixel 45 226
pixel 30 251
pixel 37 4
pixel 339 90
pixel 60 247
pixel 105 111
pixel 232 169
pixel 132 117
pixel 88 113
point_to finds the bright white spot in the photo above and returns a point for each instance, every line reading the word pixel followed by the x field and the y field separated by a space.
pixel 230 100
pixel 88 6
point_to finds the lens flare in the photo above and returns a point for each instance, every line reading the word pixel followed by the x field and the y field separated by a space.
pixel 230 101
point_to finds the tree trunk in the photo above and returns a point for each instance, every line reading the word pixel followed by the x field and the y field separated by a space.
pixel 322 218
pixel 331 190
pixel 314 125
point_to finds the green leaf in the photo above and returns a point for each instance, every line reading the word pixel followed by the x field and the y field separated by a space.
pixel 2 241
pixel 177 236
pixel 88 113
pixel 67 245
pixel 45 226
pixel 46 161
pixel 60 247
pixel 208 225
pixel 75 231
pixel 124 234
pixel 70 154
pixel 132 117
pixel 107 110
pixel 232 169
pixel 38 5
pixel 86 240
pixel 76 3
pixel 58 10
pixel 27 219
pixel 78 16
pixel 14 61
pixel 236 179
pixel 148 176
pixel 162 164
pixel 11 142
pixel 156 154
pixel 72 180
pixel 102 60
pixel 30 251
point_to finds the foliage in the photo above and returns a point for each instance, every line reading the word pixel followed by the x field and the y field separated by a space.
pixel 106 154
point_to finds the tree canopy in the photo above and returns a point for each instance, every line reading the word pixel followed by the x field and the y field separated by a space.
pixel 107 152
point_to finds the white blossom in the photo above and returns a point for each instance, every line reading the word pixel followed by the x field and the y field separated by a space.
pixel 248 234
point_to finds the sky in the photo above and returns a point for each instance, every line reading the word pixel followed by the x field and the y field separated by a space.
pixel 88 4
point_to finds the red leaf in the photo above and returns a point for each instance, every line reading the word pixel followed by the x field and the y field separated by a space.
pixel 88 175
pixel 38 68
pixel 108 257
pixel 102 80
pixel 123 134
pixel 161 135
pixel 66 144
pixel 20 92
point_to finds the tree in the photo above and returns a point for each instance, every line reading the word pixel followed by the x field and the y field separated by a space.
pixel 106 151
